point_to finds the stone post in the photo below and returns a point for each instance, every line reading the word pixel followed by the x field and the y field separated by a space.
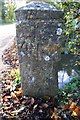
pixel 38 30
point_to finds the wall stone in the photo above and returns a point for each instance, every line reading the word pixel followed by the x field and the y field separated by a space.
pixel 38 30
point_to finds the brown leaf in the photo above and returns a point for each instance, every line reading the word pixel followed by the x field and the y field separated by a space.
pixel 1 99
pixel 44 105
pixel 76 109
pixel 13 95
pixel 72 106
pixel 18 93
pixel 67 106
pixel 32 101
pixel 6 98
pixel 54 115
pixel 24 101
pixel 8 82
pixel 6 108
pixel 79 113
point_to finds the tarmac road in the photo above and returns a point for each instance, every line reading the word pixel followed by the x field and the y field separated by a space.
pixel 7 34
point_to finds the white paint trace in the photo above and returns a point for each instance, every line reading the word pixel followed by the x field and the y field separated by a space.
pixel 59 31
pixel 46 58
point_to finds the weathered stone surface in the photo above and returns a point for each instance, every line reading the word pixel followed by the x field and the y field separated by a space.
pixel 39 29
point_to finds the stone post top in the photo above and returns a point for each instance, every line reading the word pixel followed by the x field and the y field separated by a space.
pixel 38 10
pixel 37 5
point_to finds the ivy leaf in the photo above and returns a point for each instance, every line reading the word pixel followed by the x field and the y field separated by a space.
pixel 74 23
pixel 67 33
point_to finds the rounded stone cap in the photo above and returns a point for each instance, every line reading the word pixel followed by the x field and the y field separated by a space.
pixel 38 10
pixel 38 6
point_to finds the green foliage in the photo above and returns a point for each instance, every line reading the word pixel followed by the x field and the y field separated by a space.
pixel 3 9
pixel 17 80
pixel 0 11
pixel 70 91
pixel 72 87
pixel 16 75
pixel 72 26
pixel 71 29
pixel 10 13
pixel 7 12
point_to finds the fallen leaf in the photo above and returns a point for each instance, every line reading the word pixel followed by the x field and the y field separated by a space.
pixel 76 109
pixel 12 116
pixel 19 110
pixel 6 98
pixel 13 95
pixel 74 114
pixel 44 105
pixel 1 99
pixel 54 115
pixel 79 113
pixel 72 106
pixel 18 93
pixel 32 101
pixel 35 106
